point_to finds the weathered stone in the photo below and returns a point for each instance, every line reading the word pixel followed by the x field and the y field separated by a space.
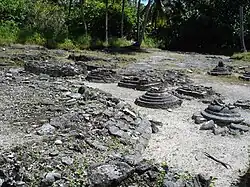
pixel 197 91
pixel 96 144
pixel 245 104
pixel 220 130
pixel 245 76
pixel 222 113
pixel 113 130
pixel 200 120
pixel 102 75
pixel 67 160
pixel 50 178
pixel 139 83
pixel 109 174
pixel 55 69
pixel 239 127
pixel 58 142
pixel 209 125
pixel 158 98
pixel 196 115
pixel 167 183
pixel 221 69
pixel 46 129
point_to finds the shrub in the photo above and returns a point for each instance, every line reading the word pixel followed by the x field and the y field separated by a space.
pixel 149 42
pixel 84 42
pixel 67 45
pixel 119 42
pixel 8 32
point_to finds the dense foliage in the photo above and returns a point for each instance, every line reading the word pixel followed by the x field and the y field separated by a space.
pixel 189 25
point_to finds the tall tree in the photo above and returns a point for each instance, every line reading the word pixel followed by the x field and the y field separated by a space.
pixel 144 22
pixel 106 22
pixel 122 21
pixel 242 30
pixel 138 20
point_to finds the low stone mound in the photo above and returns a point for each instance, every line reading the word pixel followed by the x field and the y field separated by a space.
pixel 84 58
pixel 158 98
pixel 245 76
pixel 138 83
pixel 221 69
pixel 54 69
pixel 196 91
pixel 245 104
pixel 222 113
pixel 175 78
pixel 102 75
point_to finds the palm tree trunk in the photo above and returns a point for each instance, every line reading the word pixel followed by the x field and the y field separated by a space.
pixel 122 21
pixel 242 31
pixel 138 20
pixel 106 24
pixel 144 22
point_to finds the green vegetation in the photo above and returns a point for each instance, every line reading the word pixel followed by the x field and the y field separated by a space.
pixel 242 56
pixel 201 26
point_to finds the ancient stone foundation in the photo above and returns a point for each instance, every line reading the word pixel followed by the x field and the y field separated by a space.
pixel 158 98
pixel 222 113
pixel 138 83
pixel 245 76
pixel 102 75
pixel 197 91
pixel 220 69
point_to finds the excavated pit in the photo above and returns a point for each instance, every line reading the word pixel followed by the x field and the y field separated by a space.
pixel 158 98
pixel 138 83
pixel 220 69
pixel 102 75
pixel 222 113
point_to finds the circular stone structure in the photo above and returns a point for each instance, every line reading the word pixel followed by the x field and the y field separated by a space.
pixel 222 113
pixel 138 83
pixel 245 76
pixel 245 104
pixel 102 75
pixel 197 91
pixel 158 97
pixel 220 69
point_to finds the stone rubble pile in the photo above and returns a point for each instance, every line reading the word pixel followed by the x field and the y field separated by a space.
pixel 221 118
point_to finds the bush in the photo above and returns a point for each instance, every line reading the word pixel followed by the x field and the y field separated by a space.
pixel 83 42
pixel 149 42
pixel 119 42
pixel 67 45
pixel 8 32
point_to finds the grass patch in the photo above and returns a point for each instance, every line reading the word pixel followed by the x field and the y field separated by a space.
pixel 242 56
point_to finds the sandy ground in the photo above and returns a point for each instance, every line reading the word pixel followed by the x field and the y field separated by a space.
pixel 180 143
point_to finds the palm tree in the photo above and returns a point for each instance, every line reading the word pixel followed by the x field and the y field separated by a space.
pixel 138 19
pixel 106 24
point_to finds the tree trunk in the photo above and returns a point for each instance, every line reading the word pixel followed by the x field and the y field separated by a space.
pixel 106 24
pixel 138 20
pixel 70 4
pixel 122 21
pixel 144 22
pixel 83 19
pixel 242 31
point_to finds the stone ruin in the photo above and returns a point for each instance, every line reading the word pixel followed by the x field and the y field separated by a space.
pixel 244 104
pixel 196 91
pixel 139 83
pixel 245 76
pixel 175 78
pixel 221 69
pixel 102 75
pixel 54 69
pixel 158 97
pixel 221 118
